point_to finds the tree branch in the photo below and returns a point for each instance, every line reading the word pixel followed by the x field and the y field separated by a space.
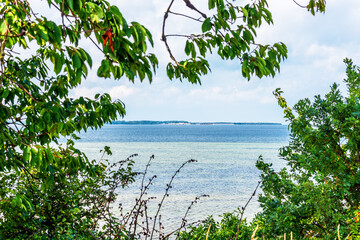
pixel 163 36
pixel 299 4
pixel 244 208
pixel 192 7
pixel 184 15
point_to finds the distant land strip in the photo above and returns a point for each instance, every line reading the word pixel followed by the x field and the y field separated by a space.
pixel 147 122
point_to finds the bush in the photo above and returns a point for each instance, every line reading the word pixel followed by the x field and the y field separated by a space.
pixel 73 205
pixel 320 190
pixel 230 227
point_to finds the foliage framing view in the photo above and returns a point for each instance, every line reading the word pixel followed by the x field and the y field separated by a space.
pixel 36 110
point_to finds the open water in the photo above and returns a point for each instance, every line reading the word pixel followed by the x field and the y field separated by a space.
pixel 225 167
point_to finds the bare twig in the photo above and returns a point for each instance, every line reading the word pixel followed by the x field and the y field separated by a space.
pixel 184 15
pixel 183 223
pixel 179 35
pixel 166 193
pixel 299 4
pixel 163 36
pixel 244 208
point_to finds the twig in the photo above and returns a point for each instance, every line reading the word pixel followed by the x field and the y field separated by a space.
pixel 163 36
pixel 244 208
pixel 166 193
pixel 299 4
pixel 183 223
pixel 184 15
pixel 192 7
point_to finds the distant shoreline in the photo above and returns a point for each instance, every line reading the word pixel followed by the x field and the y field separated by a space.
pixel 147 122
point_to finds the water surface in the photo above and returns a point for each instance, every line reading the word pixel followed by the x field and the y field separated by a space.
pixel 225 167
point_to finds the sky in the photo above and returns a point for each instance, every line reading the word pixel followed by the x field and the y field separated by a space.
pixel 316 45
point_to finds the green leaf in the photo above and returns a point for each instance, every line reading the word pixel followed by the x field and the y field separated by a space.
pixel 206 26
pixel 5 93
pixel 115 10
pixel 248 37
pixel 76 61
pixel 170 71
pixel 58 64
pixel 71 4
pixel 47 117
pixel 245 12
pixel 3 27
pixel 60 127
pixel 187 48
pixel 26 154
pixel 211 4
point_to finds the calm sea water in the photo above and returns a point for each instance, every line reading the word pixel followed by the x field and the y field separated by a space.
pixel 225 167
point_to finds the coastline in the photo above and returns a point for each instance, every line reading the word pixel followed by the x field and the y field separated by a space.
pixel 175 122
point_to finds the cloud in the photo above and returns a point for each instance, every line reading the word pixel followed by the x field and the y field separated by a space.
pixel 122 92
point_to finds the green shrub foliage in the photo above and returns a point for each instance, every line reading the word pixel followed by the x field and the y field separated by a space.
pixel 320 190
pixel 229 227
pixel 65 205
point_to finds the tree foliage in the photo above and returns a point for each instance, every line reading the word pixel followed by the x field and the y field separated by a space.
pixel 320 190
pixel 231 32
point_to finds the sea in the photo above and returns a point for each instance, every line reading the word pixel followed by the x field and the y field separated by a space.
pixel 224 169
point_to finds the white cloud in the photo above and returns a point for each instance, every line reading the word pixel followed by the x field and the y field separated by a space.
pixel 122 92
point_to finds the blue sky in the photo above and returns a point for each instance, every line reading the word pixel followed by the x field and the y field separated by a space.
pixel 317 46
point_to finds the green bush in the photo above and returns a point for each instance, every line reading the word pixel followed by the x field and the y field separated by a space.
pixel 229 227
pixel 320 189
pixel 73 205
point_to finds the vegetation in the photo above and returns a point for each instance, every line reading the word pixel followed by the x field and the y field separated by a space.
pixel 319 191
pixel 72 206
pixel 36 110
pixel 317 196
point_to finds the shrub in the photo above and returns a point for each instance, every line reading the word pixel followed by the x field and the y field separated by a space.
pixel 320 189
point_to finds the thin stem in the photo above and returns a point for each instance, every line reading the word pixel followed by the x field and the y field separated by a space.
pixel 184 15
pixel 178 35
pixel 244 208
pixel 163 36
pixel 166 194
pixel 299 4
pixel 192 7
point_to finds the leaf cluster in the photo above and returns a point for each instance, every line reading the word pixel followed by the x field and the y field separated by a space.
pixel 231 33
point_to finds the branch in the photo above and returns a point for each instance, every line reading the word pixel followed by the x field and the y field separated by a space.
pixel 28 4
pixel 183 15
pixel 166 193
pixel 22 87
pixel 178 35
pixel 244 208
pixel 299 4
pixel 191 6
pixel 163 36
